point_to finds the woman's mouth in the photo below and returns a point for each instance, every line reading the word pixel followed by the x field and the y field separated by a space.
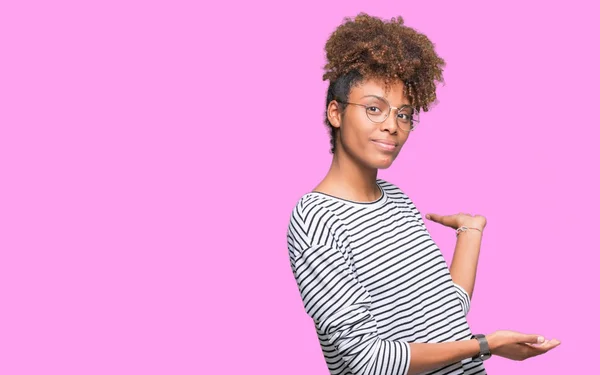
pixel 384 145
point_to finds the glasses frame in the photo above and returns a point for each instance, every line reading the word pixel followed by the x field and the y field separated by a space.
pixel 398 109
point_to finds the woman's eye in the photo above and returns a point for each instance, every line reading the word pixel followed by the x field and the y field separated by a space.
pixel 404 117
pixel 373 109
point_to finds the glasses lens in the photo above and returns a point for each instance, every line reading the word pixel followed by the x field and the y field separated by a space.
pixel 407 118
pixel 377 110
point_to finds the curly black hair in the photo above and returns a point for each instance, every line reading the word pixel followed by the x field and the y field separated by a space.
pixel 368 47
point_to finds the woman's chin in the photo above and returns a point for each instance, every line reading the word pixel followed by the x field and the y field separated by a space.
pixel 384 163
pixel 381 165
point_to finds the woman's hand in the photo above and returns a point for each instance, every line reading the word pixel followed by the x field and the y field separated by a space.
pixel 458 220
pixel 518 346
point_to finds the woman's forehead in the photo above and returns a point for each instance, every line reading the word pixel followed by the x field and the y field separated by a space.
pixel 394 92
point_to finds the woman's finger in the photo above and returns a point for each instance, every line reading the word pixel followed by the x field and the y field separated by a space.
pixel 434 217
pixel 531 339
pixel 550 344
pixel 544 347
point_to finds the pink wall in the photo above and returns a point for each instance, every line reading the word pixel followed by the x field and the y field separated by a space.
pixel 151 153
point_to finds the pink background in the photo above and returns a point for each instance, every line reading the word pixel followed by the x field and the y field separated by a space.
pixel 151 153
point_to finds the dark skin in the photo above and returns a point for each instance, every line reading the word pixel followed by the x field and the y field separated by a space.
pixel 357 158
pixel 352 176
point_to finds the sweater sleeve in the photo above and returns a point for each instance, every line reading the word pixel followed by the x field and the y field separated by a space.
pixel 463 297
pixel 340 307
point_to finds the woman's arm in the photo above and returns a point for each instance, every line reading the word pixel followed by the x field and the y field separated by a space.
pixel 340 307
pixel 464 262
pixel 427 357
pixel 466 253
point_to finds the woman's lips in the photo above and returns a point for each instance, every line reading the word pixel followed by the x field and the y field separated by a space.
pixel 385 145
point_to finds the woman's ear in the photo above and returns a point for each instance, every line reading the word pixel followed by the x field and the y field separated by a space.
pixel 334 114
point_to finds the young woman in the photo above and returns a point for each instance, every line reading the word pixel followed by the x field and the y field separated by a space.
pixel 380 293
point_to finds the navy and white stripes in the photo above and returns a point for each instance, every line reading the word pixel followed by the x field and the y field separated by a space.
pixel 373 281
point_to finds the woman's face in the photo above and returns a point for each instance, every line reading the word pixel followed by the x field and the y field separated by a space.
pixel 374 145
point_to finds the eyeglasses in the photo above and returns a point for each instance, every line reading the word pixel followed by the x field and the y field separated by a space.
pixel 379 109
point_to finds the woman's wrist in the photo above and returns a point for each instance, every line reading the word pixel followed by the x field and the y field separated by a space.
pixel 471 229
pixel 473 223
pixel 493 343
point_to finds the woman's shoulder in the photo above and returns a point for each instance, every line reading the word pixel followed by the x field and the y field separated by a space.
pixel 313 221
pixel 398 196
pixel 391 189
pixel 310 206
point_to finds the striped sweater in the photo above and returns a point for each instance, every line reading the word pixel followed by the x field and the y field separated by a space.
pixel 373 280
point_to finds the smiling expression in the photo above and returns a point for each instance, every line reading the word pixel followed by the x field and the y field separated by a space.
pixel 374 145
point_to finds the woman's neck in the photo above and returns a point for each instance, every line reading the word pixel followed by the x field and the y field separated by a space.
pixel 350 180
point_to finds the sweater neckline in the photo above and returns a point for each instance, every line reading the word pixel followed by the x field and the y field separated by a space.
pixel 375 203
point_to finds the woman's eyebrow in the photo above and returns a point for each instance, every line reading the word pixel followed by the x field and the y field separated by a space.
pixel 382 98
pixel 372 96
